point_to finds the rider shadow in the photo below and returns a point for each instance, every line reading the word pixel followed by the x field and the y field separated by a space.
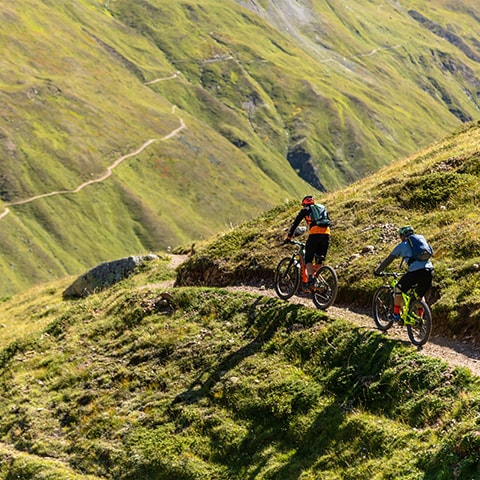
pixel 265 318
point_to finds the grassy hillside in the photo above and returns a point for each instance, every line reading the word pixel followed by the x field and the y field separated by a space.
pixel 436 191
pixel 217 111
pixel 142 382
pixel 78 104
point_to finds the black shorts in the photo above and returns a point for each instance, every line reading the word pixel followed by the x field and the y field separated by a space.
pixel 420 280
pixel 317 244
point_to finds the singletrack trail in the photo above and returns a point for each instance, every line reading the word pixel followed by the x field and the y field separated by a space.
pixel 103 177
pixel 457 353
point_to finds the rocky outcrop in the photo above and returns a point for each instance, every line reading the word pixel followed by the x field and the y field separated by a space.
pixel 445 34
pixel 105 275
pixel 302 163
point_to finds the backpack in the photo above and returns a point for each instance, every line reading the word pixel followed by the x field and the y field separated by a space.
pixel 421 250
pixel 318 214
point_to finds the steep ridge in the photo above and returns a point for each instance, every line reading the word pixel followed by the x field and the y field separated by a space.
pixel 146 381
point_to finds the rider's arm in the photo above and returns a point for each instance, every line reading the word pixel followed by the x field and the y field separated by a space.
pixel 385 264
pixel 300 216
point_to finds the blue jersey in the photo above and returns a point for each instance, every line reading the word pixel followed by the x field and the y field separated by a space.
pixel 404 250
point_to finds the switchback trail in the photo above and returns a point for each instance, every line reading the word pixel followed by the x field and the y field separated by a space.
pixel 103 177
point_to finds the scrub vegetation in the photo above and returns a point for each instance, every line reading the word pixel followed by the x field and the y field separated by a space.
pixel 144 382
pixel 436 191
pixel 148 381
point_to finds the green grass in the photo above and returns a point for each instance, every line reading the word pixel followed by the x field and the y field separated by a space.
pixel 141 381
pixel 347 94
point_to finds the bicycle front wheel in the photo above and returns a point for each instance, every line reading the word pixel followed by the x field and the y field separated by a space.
pixel 287 278
pixel 382 306
pixel 420 331
pixel 325 287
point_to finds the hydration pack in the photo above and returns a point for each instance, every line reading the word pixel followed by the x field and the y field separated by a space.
pixel 421 250
pixel 318 214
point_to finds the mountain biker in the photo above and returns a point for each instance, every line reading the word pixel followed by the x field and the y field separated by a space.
pixel 318 239
pixel 419 274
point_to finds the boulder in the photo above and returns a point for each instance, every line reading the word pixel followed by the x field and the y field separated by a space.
pixel 105 275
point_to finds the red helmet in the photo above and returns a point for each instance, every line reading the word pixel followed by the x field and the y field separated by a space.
pixel 308 200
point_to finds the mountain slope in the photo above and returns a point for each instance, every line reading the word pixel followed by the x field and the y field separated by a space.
pixel 266 118
pixel 141 381
pixel 436 191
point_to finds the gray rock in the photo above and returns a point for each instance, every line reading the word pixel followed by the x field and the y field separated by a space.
pixel 105 275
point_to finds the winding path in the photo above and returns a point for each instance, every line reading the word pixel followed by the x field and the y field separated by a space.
pixel 107 174
pixel 457 353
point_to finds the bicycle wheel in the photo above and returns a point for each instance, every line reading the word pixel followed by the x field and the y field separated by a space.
pixel 420 331
pixel 287 278
pixel 325 287
pixel 382 306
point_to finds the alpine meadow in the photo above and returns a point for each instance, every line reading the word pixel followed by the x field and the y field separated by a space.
pixel 220 110
pixel 191 130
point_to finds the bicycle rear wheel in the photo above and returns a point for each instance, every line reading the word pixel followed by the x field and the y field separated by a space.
pixel 382 306
pixel 325 287
pixel 420 331
pixel 287 278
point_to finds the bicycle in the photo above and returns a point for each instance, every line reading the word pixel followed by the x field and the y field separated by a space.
pixel 415 313
pixel 291 271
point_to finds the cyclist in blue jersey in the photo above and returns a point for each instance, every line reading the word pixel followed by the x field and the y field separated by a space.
pixel 419 274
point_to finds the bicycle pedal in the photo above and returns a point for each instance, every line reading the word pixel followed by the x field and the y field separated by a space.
pixel 307 287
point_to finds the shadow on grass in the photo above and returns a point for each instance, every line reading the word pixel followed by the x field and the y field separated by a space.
pixel 265 317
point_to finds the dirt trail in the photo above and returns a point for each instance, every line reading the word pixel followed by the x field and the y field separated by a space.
pixel 107 174
pixel 456 353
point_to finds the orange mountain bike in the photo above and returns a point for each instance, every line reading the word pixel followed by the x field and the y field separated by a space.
pixel 291 272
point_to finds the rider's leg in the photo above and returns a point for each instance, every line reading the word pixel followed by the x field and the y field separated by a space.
pixel 317 244
pixel 310 249
pixel 424 282
pixel 404 285
pixel 397 301
pixel 309 268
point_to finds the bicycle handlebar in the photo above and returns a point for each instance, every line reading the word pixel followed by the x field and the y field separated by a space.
pixel 294 242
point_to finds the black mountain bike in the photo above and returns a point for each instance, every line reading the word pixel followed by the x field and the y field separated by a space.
pixel 291 271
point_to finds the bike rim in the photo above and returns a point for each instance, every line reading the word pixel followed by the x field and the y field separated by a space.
pixel 383 308
pixel 325 288
pixel 419 332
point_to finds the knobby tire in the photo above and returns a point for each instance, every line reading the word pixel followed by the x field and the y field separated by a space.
pixel 382 306
pixel 287 278
pixel 325 287
pixel 419 333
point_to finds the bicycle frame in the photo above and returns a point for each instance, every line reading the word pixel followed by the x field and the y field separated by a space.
pixel 415 313
pixel 291 271
pixel 299 253
pixel 408 319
